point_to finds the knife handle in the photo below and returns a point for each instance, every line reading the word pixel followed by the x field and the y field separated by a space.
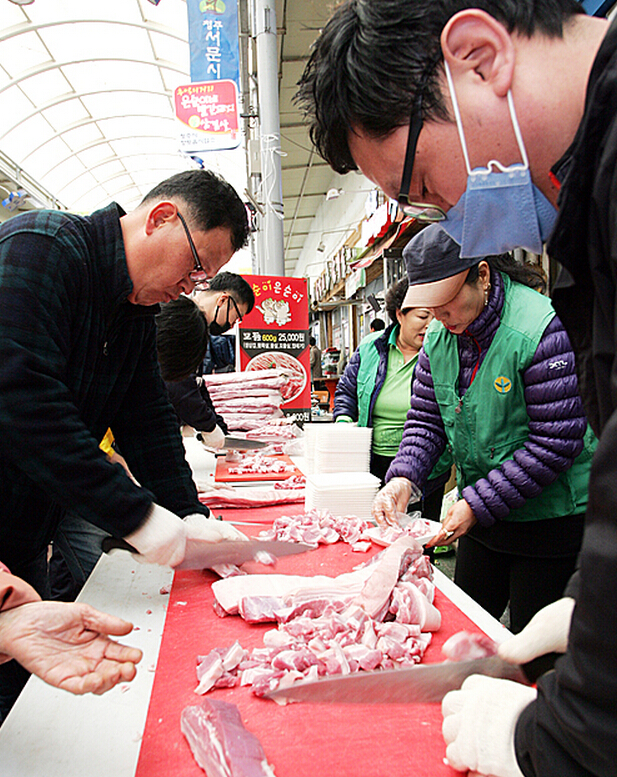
pixel 110 543
pixel 538 666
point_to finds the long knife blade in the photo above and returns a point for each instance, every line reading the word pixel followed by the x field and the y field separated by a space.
pixel 239 443
pixel 205 555
pixel 235 443
pixel 418 684
pixel 201 554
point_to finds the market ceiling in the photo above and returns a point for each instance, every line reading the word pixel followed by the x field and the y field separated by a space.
pixel 86 107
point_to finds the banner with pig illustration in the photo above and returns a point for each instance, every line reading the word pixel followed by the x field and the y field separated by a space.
pixel 275 336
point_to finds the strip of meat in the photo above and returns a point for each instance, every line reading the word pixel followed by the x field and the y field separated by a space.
pixel 375 596
pixel 253 376
pixel 231 590
pixel 220 743
pixel 251 497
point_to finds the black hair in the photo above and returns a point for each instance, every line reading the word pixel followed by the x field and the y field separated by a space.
pixel 312 341
pixel 234 285
pixel 394 298
pixel 377 324
pixel 366 64
pixel 211 202
pixel 527 274
pixel 181 338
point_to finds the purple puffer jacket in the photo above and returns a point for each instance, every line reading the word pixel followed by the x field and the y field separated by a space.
pixel 557 421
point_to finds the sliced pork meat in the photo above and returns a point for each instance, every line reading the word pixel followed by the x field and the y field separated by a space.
pixel 220 743
pixel 378 617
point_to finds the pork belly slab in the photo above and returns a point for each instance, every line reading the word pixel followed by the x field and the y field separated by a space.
pixel 220 743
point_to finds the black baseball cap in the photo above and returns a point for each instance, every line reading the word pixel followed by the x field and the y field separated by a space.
pixel 435 269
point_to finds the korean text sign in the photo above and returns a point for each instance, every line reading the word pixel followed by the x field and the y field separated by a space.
pixel 207 114
pixel 275 336
pixel 213 40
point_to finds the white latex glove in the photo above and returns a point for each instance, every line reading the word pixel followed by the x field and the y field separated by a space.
pixel 200 527
pixel 478 725
pixel 546 632
pixel 161 539
pixel 393 498
pixel 213 439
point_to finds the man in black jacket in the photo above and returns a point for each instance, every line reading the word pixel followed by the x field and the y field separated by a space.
pixel 487 116
pixel 78 296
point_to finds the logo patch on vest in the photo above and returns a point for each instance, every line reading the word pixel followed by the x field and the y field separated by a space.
pixel 502 384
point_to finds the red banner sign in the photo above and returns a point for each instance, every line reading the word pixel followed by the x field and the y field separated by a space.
pixel 275 336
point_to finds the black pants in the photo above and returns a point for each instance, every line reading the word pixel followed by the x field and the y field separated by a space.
pixel 492 578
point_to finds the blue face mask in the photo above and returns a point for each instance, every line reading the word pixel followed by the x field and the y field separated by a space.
pixel 501 209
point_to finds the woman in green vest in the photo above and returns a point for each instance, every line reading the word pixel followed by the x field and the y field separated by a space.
pixel 375 389
pixel 495 384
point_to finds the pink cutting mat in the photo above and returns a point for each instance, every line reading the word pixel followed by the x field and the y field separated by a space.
pixel 300 740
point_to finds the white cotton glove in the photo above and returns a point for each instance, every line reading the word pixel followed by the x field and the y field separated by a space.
pixel 200 527
pixel 161 538
pixel 546 632
pixel 393 498
pixel 213 439
pixel 478 725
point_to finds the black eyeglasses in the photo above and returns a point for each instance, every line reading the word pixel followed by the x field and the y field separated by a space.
pixel 421 211
pixel 198 274
pixel 239 315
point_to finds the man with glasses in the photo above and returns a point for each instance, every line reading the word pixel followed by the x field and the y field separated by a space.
pixel 78 297
pixel 498 119
pixel 231 297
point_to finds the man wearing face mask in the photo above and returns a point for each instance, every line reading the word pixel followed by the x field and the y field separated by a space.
pixel 488 116
pixel 226 300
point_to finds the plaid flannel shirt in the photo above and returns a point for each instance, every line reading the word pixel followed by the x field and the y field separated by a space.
pixel 76 358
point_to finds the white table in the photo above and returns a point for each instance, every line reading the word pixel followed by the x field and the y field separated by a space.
pixel 51 733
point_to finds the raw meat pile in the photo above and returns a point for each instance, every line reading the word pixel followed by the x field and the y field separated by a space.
pixel 246 400
pixel 220 743
pixel 319 526
pixel 258 464
pixel 378 617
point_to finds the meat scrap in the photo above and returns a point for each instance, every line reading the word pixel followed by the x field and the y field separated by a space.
pixel 220 743
pixel 466 646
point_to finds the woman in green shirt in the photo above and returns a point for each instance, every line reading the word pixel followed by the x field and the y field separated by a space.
pixel 375 389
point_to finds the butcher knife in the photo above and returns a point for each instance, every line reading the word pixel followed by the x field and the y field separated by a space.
pixel 201 554
pixel 417 684
pixel 237 443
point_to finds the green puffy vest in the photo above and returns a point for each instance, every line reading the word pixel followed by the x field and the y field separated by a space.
pixel 486 426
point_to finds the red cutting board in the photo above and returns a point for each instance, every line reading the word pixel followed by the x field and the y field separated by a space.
pixel 300 740
pixel 223 475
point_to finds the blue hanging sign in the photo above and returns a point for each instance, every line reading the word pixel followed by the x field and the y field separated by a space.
pixel 213 40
